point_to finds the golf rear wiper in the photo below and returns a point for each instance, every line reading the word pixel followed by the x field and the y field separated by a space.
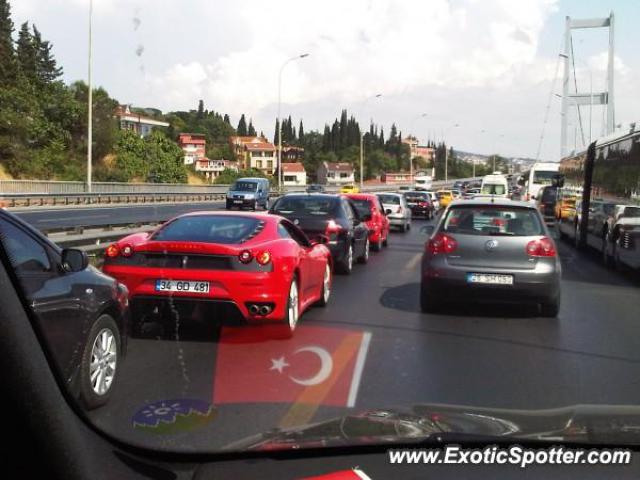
pixel 501 234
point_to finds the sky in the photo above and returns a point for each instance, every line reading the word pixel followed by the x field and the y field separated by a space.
pixel 478 73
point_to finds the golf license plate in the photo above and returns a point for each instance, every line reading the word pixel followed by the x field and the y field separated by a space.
pixel 190 286
pixel 490 278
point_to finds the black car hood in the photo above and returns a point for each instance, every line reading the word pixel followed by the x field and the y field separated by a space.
pixel 596 424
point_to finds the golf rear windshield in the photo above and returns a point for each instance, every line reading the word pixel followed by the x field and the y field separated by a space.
pixel 493 220
pixel 223 229
pixel 319 206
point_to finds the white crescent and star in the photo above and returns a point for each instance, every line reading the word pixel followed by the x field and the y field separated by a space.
pixel 326 366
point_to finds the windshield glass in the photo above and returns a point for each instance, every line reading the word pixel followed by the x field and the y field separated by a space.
pixel 543 177
pixel 493 189
pixel 209 229
pixel 488 220
pixel 317 206
pixel 202 278
pixel 363 207
pixel 389 199
pixel 244 187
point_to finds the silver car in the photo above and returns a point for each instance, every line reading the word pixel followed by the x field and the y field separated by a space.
pixel 490 250
pixel 397 210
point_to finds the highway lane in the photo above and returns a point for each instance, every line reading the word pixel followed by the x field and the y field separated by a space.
pixel 492 356
pixel 66 217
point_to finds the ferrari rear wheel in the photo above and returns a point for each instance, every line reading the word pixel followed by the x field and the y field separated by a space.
pixel 293 309
pixel 326 287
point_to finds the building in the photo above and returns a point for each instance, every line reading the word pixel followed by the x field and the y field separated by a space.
pixel 213 168
pixel 194 147
pixel 293 174
pixel 396 178
pixel 417 150
pixel 141 124
pixel 292 154
pixel 255 152
pixel 340 173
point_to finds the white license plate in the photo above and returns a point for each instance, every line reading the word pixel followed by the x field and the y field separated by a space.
pixel 490 278
pixel 189 286
pixel 237 201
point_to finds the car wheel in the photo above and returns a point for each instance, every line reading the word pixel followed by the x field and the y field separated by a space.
pixel 409 226
pixel 428 302
pixel 99 365
pixel 346 264
pixel 385 242
pixel 617 263
pixel 292 313
pixel 576 240
pixel 403 228
pixel 378 245
pixel 551 308
pixel 606 258
pixel 255 205
pixel 326 287
pixel 364 258
pixel 228 206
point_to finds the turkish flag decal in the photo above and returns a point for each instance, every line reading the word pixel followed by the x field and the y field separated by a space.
pixel 318 366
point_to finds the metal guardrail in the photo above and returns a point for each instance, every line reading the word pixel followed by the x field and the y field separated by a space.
pixel 215 193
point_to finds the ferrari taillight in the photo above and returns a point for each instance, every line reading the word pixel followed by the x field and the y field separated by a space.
pixel 112 251
pixel 245 256
pixel 263 258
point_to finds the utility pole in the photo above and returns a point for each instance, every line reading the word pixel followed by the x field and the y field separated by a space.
pixel 90 108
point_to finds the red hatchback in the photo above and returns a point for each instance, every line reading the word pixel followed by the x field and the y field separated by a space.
pixel 369 204
pixel 260 268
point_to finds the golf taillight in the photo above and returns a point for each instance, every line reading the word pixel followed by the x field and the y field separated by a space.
pixel 126 251
pixel 263 258
pixel 112 251
pixel 542 247
pixel 442 243
pixel 245 256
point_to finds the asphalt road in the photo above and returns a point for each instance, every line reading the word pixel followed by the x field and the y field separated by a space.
pixel 493 356
pixel 65 217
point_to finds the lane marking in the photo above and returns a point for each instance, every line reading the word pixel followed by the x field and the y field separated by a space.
pixel 357 374
pixel 411 264
pixel 308 402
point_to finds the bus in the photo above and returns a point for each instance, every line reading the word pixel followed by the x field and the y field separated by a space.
pixel 604 180
pixel 540 175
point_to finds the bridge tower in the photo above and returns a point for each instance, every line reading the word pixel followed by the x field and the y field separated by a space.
pixel 578 99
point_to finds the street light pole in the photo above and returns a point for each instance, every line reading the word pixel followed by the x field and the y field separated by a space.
pixel 446 153
pixel 297 57
pixel 90 108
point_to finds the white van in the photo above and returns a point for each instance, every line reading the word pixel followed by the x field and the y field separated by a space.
pixel 540 175
pixel 495 185
pixel 423 182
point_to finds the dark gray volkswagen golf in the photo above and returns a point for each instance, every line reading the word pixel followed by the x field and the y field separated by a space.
pixel 493 250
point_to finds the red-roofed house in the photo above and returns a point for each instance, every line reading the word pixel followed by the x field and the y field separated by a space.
pixel 140 124
pixel 194 147
pixel 255 152
pixel 293 174
pixel 340 173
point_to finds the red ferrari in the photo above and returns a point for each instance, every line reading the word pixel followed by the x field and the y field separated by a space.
pixel 261 268
pixel 369 204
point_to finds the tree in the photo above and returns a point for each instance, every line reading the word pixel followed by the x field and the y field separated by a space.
pixel 7 53
pixel 251 131
pixel 242 127
pixel 200 110
pixel 47 69
pixel 301 132
pixel 26 53
pixel 227 120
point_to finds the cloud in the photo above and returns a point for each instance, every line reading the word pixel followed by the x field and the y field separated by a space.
pixel 361 47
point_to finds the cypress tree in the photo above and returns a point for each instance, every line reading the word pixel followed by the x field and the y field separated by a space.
pixel 200 114
pixel 242 127
pixel 227 120
pixel 7 53
pixel 26 52
pixel 301 131
pixel 47 69
pixel 251 131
